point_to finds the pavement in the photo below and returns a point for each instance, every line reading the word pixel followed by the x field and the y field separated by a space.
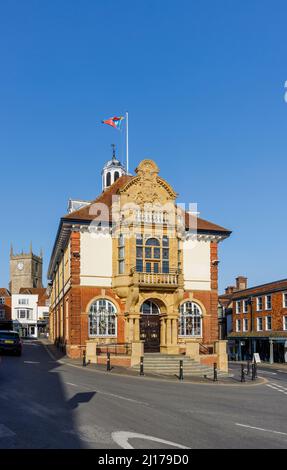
pixel 48 403
pixel 234 377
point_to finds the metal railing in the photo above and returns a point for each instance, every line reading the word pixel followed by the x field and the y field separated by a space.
pixel 205 349
pixel 115 349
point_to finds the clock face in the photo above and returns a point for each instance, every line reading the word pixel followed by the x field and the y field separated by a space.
pixel 20 266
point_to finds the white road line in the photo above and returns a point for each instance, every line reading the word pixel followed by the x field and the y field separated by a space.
pixel 6 432
pixel 120 397
pixel 122 439
pixel 261 429
pixel 31 362
pixel 279 386
pixel 266 372
pixel 277 389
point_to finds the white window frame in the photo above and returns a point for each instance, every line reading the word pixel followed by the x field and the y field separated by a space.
pixel 266 302
pixel 266 323
pixel 238 306
pixel 258 308
pixel 257 323
pixel 2 300
pixel 284 299
pixel 2 314
pixel 108 310
pixel 23 301
pixel 28 314
pixel 245 324
pixel 190 317
pixel 285 322
pixel 245 306
pixel 238 325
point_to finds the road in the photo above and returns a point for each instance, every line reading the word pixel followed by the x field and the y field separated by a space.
pixel 48 405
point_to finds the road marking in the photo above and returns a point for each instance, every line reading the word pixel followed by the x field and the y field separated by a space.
pixel 122 439
pixel 261 429
pixel 6 432
pixel 278 385
pixel 31 362
pixel 266 372
pixel 282 371
pixel 120 397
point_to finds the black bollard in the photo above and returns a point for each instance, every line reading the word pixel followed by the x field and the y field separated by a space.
pixel 242 374
pixel 215 379
pixel 84 358
pixel 142 366
pixel 108 362
pixel 253 372
pixel 180 370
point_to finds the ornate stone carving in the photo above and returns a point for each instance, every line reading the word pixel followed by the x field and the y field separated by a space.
pixel 147 187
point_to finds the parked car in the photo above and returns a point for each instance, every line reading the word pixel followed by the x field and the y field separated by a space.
pixel 10 341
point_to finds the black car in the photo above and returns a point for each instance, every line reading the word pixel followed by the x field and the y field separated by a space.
pixel 10 341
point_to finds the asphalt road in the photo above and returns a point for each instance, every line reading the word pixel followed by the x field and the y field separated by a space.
pixel 45 404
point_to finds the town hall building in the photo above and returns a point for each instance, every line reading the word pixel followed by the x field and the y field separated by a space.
pixel 134 269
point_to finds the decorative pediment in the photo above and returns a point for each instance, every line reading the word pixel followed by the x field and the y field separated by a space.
pixel 147 187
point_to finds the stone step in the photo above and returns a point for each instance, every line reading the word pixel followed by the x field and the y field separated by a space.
pixel 165 364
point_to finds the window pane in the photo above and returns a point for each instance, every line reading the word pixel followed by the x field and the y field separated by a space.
pixel 156 253
pixel 139 252
pixel 165 241
pixel 121 267
pixel 148 267
pixel 148 253
pixel 121 253
pixel 165 267
pixel 156 268
pixel 139 239
pixel 165 253
pixel 152 242
pixel 139 266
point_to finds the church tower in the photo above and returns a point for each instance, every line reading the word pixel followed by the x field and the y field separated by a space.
pixel 25 270
pixel 112 171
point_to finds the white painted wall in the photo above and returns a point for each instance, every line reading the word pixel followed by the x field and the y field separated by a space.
pixel 96 260
pixel 31 305
pixel 196 265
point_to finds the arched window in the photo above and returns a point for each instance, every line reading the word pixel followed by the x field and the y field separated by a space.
pixel 149 308
pixel 152 255
pixel 108 179
pixel 102 318
pixel 116 176
pixel 190 321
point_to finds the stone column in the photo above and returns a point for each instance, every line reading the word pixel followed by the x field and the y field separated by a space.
pixel 168 331
pixel 131 329
pixel 174 331
pixel 271 359
pixel 137 329
pixel 162 332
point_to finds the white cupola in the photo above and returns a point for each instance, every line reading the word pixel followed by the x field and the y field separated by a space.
pixel 112 171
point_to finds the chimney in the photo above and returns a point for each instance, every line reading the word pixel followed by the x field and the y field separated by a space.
pixel 229 290
pixel 241 283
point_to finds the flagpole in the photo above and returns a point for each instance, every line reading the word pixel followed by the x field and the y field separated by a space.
pixel 127 140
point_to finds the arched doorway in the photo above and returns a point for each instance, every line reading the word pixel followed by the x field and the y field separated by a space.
pixel 150 326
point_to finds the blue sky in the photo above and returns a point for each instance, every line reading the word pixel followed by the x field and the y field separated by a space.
pixel 203 82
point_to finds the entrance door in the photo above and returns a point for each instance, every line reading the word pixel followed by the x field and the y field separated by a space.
pixel 150 326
